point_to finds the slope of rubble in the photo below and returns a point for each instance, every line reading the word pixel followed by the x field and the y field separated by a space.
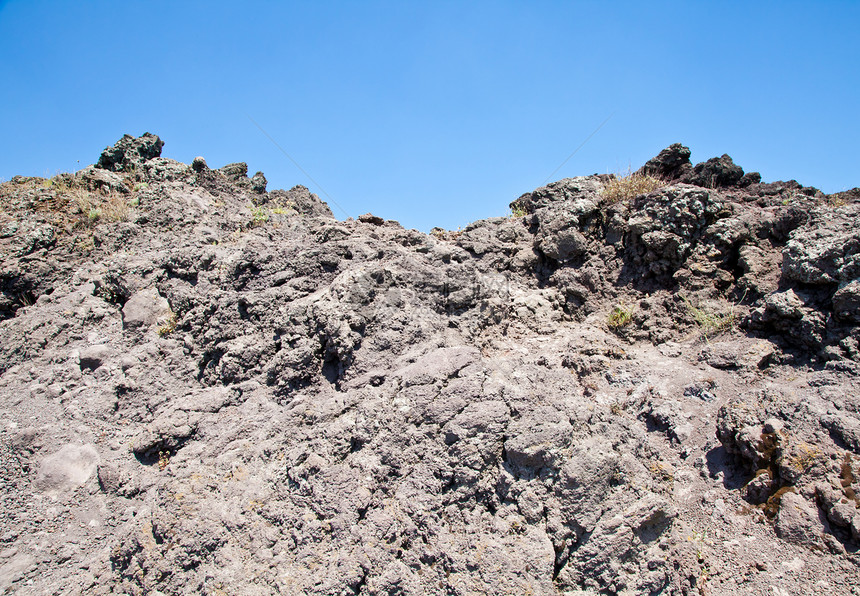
pixel 207 387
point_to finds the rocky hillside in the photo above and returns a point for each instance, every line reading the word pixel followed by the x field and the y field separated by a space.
pixel 630 386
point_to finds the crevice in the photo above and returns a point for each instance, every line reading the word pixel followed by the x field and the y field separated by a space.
pixel 358 587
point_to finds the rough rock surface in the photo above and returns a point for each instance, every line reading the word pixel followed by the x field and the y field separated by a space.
pixel 206 387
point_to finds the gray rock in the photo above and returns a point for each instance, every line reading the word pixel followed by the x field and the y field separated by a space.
pixel 440 364
pixel 797 521
pixel 489 417
pixel 161 169
pixel 70 467
pixel 371 219
pixel 737 354
pixel 585 483
pixel 535 444
pixel 748 179
pixel 145 309
pixel 846 302
pixel 37 238
pixel 96 179
pixel 302 200
pixel 93 357
pixel 826 250
pixel 258 183
pixel 845 429
pixel 166 434
pixel 235 171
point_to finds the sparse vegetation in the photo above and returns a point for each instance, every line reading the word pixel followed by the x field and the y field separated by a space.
pixel 711 321
pixel 629 185
pixel 620 317
pixel 835 200
pixel 285 207
pixel 169 326
pixel 517 211
pixel 803 457
pixel 68 203
pixel 661 472
pixel 259 215
pixel 99 207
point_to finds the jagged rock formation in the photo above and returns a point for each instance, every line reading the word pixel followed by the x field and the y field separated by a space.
pixel 208 387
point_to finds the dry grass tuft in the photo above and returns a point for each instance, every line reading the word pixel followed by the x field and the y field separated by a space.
pixel 101 208
pixel 628 186
pixel 711 321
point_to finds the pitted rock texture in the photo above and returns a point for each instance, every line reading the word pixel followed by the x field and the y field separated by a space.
pixel 208 387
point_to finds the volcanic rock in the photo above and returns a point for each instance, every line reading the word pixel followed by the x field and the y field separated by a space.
pixel 209 387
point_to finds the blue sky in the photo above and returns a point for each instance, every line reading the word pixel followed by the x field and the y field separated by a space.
pixel 436 113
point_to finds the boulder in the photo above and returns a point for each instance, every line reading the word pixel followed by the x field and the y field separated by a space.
pixel 258 183
pixel 145 309
pixel 96 179
pixel 66 469
pixel 797 521
pixel 846 302
pixel 129 152
pixel 826 250
pixel 199 164
pixel 672 163
pixel 717 172
pixel 235 171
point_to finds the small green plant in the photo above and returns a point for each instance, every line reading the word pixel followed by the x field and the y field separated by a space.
pixel 700 542
pixel 629 185
pixel 169 325
pixel 284 207
pixel 710 321
pixel 517 211
pixel 259 215
pixel 620 317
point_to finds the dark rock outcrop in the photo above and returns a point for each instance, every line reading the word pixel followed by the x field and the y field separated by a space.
pixel 717 172
pixel 672 163
pixel 130 152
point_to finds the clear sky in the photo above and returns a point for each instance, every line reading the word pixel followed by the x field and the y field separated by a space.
pixel 434 113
